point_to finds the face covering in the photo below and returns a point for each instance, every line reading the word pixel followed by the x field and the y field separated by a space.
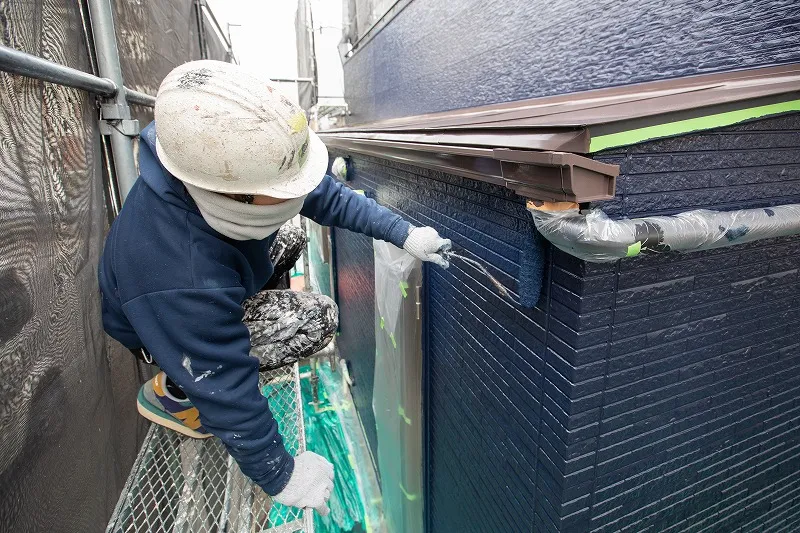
pixel 241 221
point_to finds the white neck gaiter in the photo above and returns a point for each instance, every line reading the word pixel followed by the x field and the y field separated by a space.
pixel 241 221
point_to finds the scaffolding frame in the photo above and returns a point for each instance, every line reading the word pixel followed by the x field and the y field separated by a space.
pixel 176 483
pixel 180 484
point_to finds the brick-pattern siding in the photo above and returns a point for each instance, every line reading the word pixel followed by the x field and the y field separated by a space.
pixel 356 297
pixel 699 412
pixel 439 55
pixel 658 393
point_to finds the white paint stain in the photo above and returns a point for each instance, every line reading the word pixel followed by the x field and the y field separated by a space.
pixel 187 364
pixel 205 374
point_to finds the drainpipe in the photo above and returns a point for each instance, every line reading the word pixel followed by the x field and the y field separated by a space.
pixel 596 238
pixel 115 113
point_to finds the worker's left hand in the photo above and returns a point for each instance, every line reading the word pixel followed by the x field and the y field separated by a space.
pixel 311 484
pixel 426 245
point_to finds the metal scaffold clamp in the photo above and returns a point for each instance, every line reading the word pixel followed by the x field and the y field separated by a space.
pixel 118 117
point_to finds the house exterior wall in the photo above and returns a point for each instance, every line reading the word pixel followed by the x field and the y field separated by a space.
pixel 658 393
pixel 356 340
pixel 440 55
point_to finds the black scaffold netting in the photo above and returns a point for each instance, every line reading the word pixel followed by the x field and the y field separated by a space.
pixel 69 431
pixel 156 36
pixel 68 426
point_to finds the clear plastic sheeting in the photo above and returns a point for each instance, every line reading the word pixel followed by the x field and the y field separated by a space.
pixel 596 238
pixel 397 392
pixel 319 258
pixel 179 484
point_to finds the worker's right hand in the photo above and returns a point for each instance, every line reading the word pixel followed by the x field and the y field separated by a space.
pixel 426 245
pixel 310 485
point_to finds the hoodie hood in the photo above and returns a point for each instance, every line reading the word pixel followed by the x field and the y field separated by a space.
pixel 165 185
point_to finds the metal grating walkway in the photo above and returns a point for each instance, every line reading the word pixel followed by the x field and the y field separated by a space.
pixel 179 484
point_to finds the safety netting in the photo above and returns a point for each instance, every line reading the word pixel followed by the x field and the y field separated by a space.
pixel 306 62
pixel 360 15
pixel 68 425
pixel 156 36
pixel 69 431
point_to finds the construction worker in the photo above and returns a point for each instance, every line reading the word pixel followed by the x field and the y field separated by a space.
pixel 227 162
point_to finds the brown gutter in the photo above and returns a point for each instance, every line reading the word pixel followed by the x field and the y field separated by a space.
pixel 561 140
pixel 524 145
pixel 546 176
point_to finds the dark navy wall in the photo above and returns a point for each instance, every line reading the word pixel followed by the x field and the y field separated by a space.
pixel 477 366
pixel 356 340
pixel 749 165
pixel 699 415
pixel 438 55
pixel 659 393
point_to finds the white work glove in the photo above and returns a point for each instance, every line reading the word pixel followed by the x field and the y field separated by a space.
pixel 339 168
pixel 310 485
pixel 426 245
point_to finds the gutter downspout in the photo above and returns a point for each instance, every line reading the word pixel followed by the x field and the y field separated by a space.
pixel 596 238
pixel 115 113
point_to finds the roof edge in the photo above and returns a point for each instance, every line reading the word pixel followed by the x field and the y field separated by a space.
pixel 687 92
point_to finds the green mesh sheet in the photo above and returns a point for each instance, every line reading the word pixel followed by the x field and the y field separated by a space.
pixel 324 436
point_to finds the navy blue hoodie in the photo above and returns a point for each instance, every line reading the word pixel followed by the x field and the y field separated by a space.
pixel 175 286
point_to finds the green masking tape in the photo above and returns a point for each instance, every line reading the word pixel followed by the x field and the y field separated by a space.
pixel 402 413
pixel 409 496
pixel 679 127
pixel 394 342
pixel 634 249
pixel 403 287
pixel 383 324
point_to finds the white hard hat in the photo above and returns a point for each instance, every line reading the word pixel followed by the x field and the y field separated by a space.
pixel 224 129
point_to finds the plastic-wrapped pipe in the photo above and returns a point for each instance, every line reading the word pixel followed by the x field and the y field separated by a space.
pixel 594 237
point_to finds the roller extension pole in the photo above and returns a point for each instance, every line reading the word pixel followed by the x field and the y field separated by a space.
pixel 115 112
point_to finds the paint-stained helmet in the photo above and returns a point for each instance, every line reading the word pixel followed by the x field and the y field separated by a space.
pixel 225 129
